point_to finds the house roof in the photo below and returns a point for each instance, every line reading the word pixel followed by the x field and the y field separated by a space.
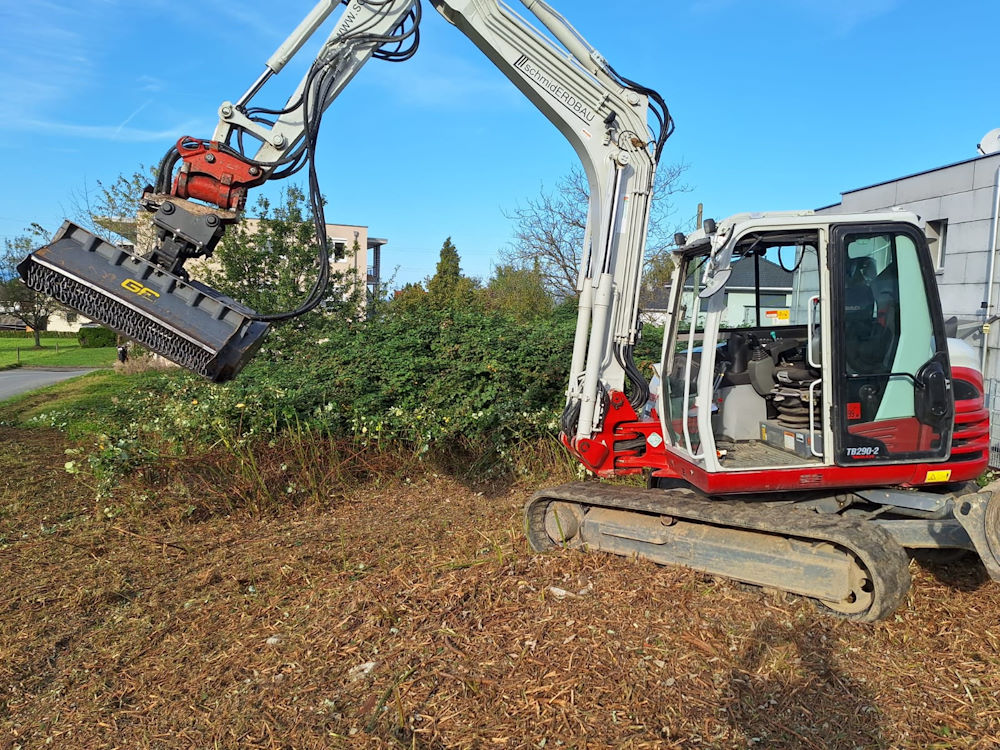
pixel 772 276
pixel 981 157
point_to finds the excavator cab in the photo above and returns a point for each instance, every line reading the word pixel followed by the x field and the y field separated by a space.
pixel 822 349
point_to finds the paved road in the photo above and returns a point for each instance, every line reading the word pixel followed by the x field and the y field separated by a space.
pixel 24 379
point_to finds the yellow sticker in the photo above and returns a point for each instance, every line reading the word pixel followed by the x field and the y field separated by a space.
pixel 938 476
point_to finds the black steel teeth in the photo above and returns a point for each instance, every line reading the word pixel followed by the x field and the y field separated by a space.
pixel 136 326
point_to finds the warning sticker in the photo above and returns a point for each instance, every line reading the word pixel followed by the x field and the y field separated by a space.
pixel 789 441
pixel 942 475
pixel 854 410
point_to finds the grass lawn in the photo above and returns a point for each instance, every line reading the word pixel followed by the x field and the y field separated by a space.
pixel 89 402
pixel 58 352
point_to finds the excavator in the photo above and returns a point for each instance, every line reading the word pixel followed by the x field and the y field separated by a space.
pixel 811 423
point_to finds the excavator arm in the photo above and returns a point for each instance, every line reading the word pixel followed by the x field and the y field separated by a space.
pixel 604 116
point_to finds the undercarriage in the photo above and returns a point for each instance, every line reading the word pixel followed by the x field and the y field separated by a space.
pixel 848 553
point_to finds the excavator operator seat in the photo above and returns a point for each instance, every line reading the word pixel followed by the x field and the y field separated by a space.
pixel 866 340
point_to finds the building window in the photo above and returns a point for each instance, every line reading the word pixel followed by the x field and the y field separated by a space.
pixel 71 317
pixel 937 240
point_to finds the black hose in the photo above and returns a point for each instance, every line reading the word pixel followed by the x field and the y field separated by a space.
pixel 314 98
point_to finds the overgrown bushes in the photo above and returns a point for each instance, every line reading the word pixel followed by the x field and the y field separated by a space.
pixel 468 386
pixel 454 375
pixel 466 381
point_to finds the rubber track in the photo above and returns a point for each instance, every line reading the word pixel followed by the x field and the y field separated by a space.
pixel 886 563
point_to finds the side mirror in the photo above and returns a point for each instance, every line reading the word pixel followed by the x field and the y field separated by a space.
pixel 716 283
pixel 933 402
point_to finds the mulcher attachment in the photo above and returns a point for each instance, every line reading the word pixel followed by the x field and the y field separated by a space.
pixel 185 321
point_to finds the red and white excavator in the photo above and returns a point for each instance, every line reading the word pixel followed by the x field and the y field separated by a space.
pixel 809 426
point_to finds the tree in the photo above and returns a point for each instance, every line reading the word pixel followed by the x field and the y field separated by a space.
pixel 448 288
pixel 111 210
pixel 269 262
pixel 656 277
pixel 412 295
pixel 519 292
pixel 549 229
pixel 30 307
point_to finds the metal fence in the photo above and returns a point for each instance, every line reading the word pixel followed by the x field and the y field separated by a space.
pixel 993 404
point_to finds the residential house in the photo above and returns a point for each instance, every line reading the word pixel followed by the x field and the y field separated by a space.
pixel 741 298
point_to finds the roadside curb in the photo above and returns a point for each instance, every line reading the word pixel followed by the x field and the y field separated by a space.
pixel 57 368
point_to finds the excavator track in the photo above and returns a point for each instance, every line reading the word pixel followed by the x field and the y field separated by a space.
pixel 851 567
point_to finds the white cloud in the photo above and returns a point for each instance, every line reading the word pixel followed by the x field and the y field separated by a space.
pixel 442 81
pixel 149 84
pixel 114 132
pixel 45 55
pixel 50 66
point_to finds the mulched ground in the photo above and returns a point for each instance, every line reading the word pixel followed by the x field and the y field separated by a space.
pixel 415 616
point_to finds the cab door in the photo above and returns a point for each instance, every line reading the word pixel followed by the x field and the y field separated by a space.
pixel 892 390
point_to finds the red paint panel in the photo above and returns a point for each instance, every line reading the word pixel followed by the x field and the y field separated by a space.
pixel 969 455
pixel 901 435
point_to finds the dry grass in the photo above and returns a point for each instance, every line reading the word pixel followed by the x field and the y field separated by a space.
pixel 144 363
pixel 413 615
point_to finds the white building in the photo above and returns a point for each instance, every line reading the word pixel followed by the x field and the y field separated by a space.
pixel 741 298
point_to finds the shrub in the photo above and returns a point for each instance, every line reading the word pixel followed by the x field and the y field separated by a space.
pixel 94 338
pixel 23 334
pixel 473 389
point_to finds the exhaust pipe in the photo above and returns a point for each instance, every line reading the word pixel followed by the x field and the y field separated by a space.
pixel 185 321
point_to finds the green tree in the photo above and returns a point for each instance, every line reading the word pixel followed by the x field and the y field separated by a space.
pixel 269 261
pixel 519 292
pixel 448 288
pixel 659 271
pixel 30 307
pixel 411 296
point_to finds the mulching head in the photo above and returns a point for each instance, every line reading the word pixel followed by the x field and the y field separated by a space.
pixel 185 321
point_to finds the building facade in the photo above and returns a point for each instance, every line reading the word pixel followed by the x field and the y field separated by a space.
pixel 959 204
pixel 365 263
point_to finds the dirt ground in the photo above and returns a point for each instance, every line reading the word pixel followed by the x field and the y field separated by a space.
pixel 415 616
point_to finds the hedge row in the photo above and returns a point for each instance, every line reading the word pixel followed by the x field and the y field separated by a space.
pixel 22 334
pixel 95 338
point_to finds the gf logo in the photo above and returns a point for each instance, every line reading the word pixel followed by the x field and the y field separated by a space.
pixel 143 291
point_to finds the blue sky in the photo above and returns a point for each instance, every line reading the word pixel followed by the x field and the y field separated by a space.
pixel 779 104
